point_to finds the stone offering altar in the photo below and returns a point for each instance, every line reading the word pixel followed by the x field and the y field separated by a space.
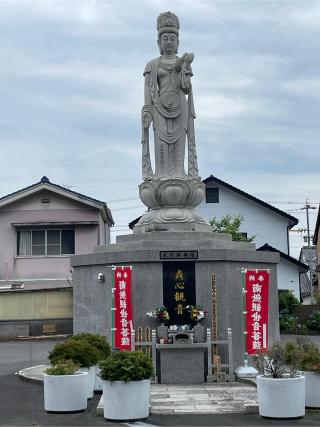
pixel 173 252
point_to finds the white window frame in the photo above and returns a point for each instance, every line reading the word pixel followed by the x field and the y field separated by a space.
pixel 45 242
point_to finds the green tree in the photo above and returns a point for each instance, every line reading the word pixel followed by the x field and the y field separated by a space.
pixel 288 321
pixel 230 224
pixel 287 302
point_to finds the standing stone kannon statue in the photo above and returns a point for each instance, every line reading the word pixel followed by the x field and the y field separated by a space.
pixel 170 192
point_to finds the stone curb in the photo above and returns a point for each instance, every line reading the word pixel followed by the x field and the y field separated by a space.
pixel 249 381
pixel 28 376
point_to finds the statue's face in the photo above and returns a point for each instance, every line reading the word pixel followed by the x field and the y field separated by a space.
pixel 168 43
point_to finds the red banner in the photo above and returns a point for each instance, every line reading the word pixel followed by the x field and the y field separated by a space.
pixel 257 295
pixel 123 309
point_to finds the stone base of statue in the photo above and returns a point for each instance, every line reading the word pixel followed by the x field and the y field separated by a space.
pixel 171 204
pixel 152 257
pixel 171 219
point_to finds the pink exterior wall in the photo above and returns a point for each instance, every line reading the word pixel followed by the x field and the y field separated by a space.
pixel 60 209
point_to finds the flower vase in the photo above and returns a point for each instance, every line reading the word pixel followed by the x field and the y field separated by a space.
pixel 162 331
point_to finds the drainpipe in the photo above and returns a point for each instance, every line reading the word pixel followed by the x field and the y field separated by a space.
pixel 7 270
pixel 288 243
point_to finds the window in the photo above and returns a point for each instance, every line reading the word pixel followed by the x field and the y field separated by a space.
pixel 212 195
pixel 45 242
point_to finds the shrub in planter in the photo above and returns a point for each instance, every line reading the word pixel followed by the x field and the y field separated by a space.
pixel 281 390
pixel 310 364
pixel 63 367
pixel 126 382
pixel 80 352
pixel 104 349
pixel 65 388
pixel 98 341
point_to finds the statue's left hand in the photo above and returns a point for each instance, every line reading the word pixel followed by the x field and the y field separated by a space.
pixel 187 58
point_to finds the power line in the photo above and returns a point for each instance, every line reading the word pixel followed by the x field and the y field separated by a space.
pixel 280 202
pixel 298 210
pixel 290 202
pixel 127 208
pixel 123 200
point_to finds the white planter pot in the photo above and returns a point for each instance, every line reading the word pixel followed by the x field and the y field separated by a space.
pixel 281 397
pixel 65 393
pixel 312 389
pixel 126 401
pixel 90 382
pixel 97 380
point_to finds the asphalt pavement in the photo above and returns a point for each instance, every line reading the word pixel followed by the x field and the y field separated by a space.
pixel 21 404
pixel 19 354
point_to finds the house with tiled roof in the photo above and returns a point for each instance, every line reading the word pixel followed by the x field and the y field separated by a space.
pixel 290 271
pixel 267 223
pixel 40 227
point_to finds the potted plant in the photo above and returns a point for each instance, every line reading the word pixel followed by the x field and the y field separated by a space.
pixel 126 382
pixel 310 365
pixel 65 388
pixel 82 353
pixel 281 389
pixel 104 349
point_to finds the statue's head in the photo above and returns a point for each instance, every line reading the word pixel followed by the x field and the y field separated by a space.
pixel 168 32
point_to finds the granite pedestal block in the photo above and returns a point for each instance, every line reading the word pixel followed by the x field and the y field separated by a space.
pixel 182 363
pixel 199 334
pixel 216 253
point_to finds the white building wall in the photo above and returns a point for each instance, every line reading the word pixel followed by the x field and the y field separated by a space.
pixel 268 226
pixel 288 277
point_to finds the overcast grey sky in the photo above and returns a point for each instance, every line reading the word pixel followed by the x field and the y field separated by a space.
pixel 72 90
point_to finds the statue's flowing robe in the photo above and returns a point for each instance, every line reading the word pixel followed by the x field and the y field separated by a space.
pixel 173 120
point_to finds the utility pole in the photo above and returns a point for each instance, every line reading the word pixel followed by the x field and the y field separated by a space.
pixel 306 207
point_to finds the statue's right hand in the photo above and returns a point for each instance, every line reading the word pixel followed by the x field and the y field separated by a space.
pixel 146 120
